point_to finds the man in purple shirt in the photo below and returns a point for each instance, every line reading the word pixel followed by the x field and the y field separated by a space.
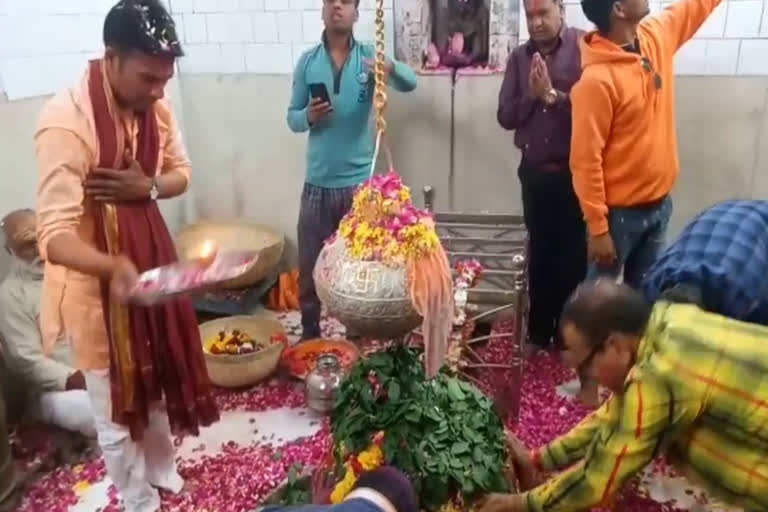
pixel 534 102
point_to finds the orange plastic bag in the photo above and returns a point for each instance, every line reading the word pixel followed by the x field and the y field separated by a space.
pixel 285 295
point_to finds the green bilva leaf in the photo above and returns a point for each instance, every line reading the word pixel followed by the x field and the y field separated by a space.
pixel 459 448
pixel 455 390
pixel 393 392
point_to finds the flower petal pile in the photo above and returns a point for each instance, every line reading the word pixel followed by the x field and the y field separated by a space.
pixel 383 225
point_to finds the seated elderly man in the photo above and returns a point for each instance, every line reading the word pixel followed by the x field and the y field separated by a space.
pixel 719 262
pixel 58 390
pixel 686 383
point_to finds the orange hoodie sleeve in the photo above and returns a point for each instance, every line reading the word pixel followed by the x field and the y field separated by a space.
pixel 592 107
pixel 679 22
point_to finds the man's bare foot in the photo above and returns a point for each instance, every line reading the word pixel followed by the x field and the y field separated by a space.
pixel 175 488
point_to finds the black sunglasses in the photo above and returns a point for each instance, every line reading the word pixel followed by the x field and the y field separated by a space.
pixel 649 68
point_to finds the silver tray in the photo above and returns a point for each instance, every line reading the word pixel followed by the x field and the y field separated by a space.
pixel 187 277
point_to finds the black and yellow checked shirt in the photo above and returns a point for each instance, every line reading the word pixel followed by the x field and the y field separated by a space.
pixel 698 393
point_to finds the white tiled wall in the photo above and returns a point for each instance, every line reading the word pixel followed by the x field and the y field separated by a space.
pixel 733 40
pixel 257 36
pixel 44 43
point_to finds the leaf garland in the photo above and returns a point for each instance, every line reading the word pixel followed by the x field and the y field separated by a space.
pixel 443 432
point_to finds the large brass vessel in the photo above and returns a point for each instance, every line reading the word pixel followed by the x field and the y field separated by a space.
pixel 370 298
pixel 234 235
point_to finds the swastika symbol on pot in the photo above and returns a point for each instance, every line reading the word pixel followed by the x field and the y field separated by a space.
pixel 366 281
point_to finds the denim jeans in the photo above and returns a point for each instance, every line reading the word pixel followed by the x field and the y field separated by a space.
pixel 639 235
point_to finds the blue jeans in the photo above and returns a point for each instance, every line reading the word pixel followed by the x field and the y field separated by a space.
pixel 638 235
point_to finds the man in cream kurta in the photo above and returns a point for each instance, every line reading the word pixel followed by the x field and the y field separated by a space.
pixel 71 187
pixel 56 389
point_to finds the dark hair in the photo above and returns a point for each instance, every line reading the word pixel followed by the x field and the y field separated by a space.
pixel 599 13
pixel 391 483
pixel 599 308
pixel 142 26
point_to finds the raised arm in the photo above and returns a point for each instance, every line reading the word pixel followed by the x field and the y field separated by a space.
pixel 619 449
pixel 680 21
pixel 592 108
pixel 515 106
pixel 297 108
pixel 22 341
pixel 402 78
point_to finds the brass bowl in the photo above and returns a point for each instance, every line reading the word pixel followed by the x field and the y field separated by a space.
pixel 370 298
pixel 235 371
pixel 234 235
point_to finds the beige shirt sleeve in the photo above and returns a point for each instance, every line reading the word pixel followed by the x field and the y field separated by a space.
pixel 175 156
pixel 63 163
pixel 21 336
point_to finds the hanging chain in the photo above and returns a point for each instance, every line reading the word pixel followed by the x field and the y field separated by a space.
pixel 380 90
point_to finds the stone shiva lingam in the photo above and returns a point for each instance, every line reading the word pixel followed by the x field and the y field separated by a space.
pixel 384 272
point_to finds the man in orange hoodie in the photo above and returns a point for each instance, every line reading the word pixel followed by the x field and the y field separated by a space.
pixel 624 149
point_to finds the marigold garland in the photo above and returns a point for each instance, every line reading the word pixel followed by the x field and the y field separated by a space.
pixel 383 225
pixel 367 460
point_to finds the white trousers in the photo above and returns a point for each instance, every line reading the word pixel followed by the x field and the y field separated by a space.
pixel 136 469
pixel 70 410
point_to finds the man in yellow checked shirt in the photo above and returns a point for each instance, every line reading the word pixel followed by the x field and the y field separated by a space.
pixel 687 384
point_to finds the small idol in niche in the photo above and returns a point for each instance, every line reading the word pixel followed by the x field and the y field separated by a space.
pixel 459 34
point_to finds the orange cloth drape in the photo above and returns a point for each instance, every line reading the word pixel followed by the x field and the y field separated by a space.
pixel 285 295
pixel 431 289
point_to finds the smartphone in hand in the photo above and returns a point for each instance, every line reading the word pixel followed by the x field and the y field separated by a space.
pixel 319 91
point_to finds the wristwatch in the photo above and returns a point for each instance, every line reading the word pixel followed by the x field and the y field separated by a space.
pixel 154 193
pixel 550 97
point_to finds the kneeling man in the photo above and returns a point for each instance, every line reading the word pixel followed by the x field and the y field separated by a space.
pixel 719 262
pixel 687 384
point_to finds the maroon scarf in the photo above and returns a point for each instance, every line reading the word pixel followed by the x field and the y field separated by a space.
pixel 161 344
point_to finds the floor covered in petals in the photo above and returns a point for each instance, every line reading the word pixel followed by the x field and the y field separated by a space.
pixel 234 464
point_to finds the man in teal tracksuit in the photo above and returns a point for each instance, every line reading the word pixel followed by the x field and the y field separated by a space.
pixel 341 136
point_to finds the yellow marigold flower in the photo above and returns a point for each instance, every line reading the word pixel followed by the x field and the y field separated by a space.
pixel 344 487
pixel 371 458
pixel 81 486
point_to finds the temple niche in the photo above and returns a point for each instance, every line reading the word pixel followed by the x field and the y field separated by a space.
pixel 473 36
